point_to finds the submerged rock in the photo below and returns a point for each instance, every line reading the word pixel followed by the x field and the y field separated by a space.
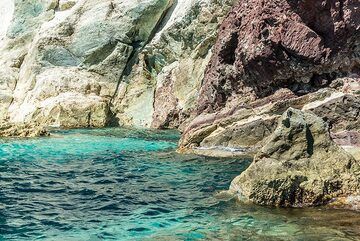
pixel 299 165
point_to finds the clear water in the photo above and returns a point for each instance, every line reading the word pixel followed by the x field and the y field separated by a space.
pixel 118 184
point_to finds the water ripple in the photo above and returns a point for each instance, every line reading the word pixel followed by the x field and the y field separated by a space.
pixel 117 184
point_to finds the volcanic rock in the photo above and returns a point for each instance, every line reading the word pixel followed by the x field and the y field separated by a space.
pixel 266 45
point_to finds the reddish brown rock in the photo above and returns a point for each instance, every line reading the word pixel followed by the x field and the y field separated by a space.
pixel 347 138
pixel 264 45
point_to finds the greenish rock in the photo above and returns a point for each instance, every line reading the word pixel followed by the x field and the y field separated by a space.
pixel 66 4
pixel 58 56
pixel 299 165
pixel 27 16
pixel 167 76
pixel 75 62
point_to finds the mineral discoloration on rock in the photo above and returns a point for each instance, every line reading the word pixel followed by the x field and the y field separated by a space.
pixel 272 55
pixel 266 45
pixel 71 67
pixel 170 68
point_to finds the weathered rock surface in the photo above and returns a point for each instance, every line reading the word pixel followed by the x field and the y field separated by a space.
pixel 272 55
pixel 153 63
pixel 72 63
pixel 244 127
pixel 162 86
pixel 299 165
pixel 19 21
pixel 267 45
pixel 22 130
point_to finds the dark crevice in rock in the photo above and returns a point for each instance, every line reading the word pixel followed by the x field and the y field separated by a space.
pixel 163 20
pixel 112 119
pixel 138 46
pixel 228 53
pixel 341 10
pixel 100 54
pixel 89 119
pixel 286 122
pixel 309 141
pixel 316 82
pixel 112 7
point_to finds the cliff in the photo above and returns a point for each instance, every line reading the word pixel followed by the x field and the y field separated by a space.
pixel 271 55
pixel 225 73
pixel 100 63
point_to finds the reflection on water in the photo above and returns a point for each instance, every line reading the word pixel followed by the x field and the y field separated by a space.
pixel 119 184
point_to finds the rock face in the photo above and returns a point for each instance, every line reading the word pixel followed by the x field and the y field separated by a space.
pixel 267 45
pixel 272 55
pixel 22 130
pixel 172 64
pixel 299 165
pixel 73 63
pixel 19 20
pixel 165 81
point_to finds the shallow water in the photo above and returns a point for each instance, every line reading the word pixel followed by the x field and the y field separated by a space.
pixel 119 184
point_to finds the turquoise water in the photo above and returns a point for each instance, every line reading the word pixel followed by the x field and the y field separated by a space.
pixel 119 184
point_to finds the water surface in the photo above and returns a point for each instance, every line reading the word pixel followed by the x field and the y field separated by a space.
pixel 120 184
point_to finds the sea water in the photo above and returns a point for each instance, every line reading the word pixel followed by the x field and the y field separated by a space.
pixel 121 184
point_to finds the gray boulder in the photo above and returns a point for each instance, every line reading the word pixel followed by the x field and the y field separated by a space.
pixel 299 165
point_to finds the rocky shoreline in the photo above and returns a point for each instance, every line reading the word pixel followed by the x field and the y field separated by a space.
pixel 277 81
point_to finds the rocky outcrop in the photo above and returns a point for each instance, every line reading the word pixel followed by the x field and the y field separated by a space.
pixel 72 63
pixel 245 127
pixel 299 165
pixel 19 22
pixel 272 55
pixel 239 128
pixel 22 130
pixel 164 81
pixel 169 64
pixel 267 45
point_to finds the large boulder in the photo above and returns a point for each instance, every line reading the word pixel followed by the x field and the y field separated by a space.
pixel 299 165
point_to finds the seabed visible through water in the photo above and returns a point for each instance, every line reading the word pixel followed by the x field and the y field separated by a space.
pixel 121 184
